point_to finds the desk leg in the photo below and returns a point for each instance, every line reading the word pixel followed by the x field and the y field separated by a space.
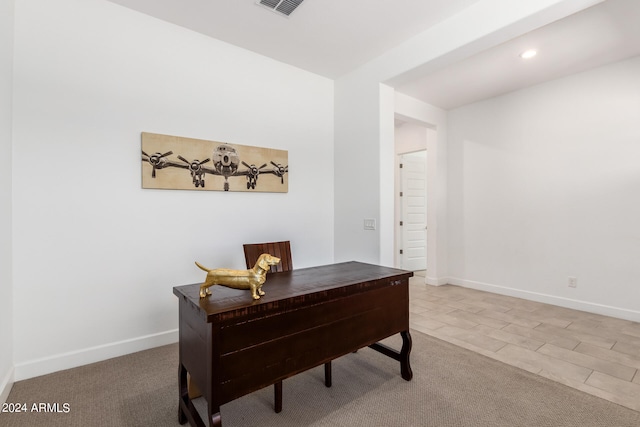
pixel 186 410
pixel 327 374
pixel 214 416
pixel 405 365
pixel 401 356
pixel 277 397
pixel 182 393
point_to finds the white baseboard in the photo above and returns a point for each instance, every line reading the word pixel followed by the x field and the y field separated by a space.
pixel 5 386
pixel 436 281
pixel 605 310
pixel 59 362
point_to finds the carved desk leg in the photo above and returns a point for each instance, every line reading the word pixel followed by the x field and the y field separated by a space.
pixel 405 366
pixel 277 397
pixel 327 374
pixel 186 410
pixel 182 392
pixel 401 356
pixel 214 416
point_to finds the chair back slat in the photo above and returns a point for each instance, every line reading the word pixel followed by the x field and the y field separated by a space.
pixel 281 250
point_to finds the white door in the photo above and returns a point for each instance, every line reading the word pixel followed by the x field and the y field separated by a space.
pixel 413 177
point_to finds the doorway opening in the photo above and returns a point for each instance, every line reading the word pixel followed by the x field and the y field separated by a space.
pixel 411 138
pixel 413 134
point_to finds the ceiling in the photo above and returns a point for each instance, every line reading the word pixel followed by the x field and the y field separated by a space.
pixel 326 37
pixel 333 37
pixel 605 33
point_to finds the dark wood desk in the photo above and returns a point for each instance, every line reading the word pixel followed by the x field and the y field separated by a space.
pixel 232 345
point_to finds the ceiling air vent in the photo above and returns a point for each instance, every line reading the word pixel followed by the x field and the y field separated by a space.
pixel 284 7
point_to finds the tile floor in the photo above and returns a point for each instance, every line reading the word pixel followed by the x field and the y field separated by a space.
pixel 597 354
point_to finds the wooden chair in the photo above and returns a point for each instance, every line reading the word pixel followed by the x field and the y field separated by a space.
pixel 281 250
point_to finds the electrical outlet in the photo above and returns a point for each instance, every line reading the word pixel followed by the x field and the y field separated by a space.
pixel 573 282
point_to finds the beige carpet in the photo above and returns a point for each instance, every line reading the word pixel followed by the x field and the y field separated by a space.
pixel 451 387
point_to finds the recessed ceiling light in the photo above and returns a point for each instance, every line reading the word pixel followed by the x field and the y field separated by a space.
pixel 528 54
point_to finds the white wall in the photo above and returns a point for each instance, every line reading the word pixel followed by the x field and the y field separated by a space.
pixel 6 287
pixel 357 174
pixel 95 256
pixel 544 184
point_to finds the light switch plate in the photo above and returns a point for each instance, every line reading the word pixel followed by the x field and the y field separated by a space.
pixel 369 224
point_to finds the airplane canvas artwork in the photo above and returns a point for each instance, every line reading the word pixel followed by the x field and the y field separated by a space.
pixel 179 163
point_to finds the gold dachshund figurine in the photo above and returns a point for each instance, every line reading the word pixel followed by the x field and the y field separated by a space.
pixel 252 279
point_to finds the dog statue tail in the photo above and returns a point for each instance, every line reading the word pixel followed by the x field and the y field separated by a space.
pixel 201 267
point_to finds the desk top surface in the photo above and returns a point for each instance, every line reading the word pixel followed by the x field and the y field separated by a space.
pixel 289 286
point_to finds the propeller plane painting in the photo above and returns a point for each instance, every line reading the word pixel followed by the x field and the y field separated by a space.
pixel 178 163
